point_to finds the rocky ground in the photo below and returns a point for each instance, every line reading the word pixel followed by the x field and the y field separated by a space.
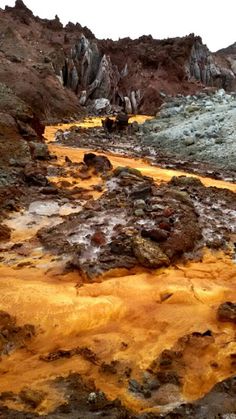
pixel 193 133
pixel 87 220
pixel 136 222
pixel 198 129
pixel 86 402
pixel 133 224
pixel 49 72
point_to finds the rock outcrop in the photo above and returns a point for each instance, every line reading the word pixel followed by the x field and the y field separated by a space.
pixel 61 69
pixel 134 223
pixel 137 75
pixel 196 128
pixel 208 69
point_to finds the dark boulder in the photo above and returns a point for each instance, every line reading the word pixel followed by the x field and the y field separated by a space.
pixel 156 234
pixel 99 163
pixel 227 312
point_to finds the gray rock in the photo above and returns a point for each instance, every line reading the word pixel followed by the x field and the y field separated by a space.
pixel 189 141
pixel 139 212
pixel 139 203
pixel 101 105
pixel 128 106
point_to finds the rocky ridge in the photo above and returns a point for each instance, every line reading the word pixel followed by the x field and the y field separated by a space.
pixel 94 70
pixel 103 74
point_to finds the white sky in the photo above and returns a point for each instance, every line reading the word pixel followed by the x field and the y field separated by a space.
pixel 213 20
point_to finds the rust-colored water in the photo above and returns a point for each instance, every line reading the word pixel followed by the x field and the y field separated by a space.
pixel 126 308
pixel 158 174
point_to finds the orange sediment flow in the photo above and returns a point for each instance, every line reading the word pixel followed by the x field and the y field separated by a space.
pixel 90 122
pixel 125 318
pixel 127 309
pixel 157 173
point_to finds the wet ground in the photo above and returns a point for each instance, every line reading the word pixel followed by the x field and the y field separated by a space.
pixel 133 142
pixel 150 337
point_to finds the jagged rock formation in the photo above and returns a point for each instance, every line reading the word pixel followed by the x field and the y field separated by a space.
pixel 208 69
pixel 53 61
pixel 230 50
pixel 134 74
pixel 230 53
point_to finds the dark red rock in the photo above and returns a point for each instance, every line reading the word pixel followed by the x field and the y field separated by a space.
pixel 164 225
pixel 168 212
pixel 156 234
pixel 98 238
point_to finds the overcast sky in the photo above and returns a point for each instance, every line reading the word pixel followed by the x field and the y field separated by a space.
pixel 213 20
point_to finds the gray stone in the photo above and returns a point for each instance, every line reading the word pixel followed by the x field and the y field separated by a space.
pixel 139 203
pixel 83 98
pixel 189 141
pixel 139 212
pixel 128 106
pixel 192 108
pixel 101 105
pixel 133 102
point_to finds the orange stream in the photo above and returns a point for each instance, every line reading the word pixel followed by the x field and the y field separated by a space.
pixel 126 307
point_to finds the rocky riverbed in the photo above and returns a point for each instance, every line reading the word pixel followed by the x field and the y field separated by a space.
pixel 117 239
pixel 192 133
pixel 120 284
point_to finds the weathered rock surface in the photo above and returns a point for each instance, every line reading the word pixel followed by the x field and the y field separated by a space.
pixel 227 312
pixel 21 142
pixel 198 128
pixel 39 58
pixel 148 253
pixel 29 55
pixel 5 232
pixel 12 336
pixel 120 230
pixel 106 69
pixel 85 401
